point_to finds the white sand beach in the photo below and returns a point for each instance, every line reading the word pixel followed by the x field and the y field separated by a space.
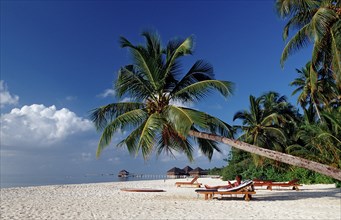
pixel 107 201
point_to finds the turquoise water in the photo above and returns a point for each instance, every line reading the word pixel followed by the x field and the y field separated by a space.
pixel 7 181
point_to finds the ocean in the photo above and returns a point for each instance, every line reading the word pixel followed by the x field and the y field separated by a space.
pixel 7 181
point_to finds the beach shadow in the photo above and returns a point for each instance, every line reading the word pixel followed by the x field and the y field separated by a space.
pixel 280 195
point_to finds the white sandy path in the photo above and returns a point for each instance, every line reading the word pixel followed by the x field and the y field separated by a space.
pixel 107 201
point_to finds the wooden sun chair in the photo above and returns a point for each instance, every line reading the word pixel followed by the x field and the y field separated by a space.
pixel 246 189
pixel 193 183
pixel 269 184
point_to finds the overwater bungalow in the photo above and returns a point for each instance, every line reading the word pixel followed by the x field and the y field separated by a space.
pixel 123 173
pixel 187 169
pixel 198 172
pixel 175 172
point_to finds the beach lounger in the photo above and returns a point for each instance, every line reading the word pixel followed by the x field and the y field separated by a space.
pixel 193 183
pixel 246 189
pixel 269 184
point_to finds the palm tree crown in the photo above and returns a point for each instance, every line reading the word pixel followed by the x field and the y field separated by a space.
pixel 318 21
pixel 153 82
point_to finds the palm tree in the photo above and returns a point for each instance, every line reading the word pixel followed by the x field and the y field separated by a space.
pixel 153 82
pixel 260 125
pixel 265 124
pixel 325 89
pixel 320 141
pixel 318 21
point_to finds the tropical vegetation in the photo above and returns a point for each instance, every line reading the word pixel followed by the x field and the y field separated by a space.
pixel 319 22
pixel 315 133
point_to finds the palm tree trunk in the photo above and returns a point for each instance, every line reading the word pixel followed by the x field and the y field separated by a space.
pixel 275 155
pixel 317 110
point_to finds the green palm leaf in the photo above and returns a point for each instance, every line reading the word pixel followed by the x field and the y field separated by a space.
pixel 336 48
pixel 139 55
pixel 105 114
pixel 180 119
pixel 132 140
pixel 199 90
pixel 175 49
pixel 132 118
pixel 170 141
pixel 150 130
pixel 289 7
pixel 132 82
pixel 297 42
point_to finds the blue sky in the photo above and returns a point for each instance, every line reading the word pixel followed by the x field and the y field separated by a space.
pixel 59 60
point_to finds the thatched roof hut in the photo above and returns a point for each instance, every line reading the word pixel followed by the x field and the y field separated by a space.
pixel 175 171
pixel 197 172
pixel 123 173
pixel 187 169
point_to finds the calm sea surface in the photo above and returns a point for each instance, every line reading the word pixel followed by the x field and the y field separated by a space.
pixel 7 181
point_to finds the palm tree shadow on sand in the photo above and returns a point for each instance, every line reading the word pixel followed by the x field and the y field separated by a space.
pixel 282 195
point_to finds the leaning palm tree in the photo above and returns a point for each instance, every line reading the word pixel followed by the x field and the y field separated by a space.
pixel 319 22
pixel 153 82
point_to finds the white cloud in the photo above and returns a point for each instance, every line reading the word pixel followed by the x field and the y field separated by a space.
pixel 6 98
pixel 107 92
pixel 126 99
pixel 37 126
pixel 86 156
pixel 71 98
pixel 181 104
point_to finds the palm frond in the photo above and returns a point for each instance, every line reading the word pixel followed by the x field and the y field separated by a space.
pixel 322 21
pixel 199 90
pixel 132 82
pixel 336 48
pixel 180 119
pixel 153 43
pixel 291 7
pixel 207 147
pixel 150 130
pixel 300 40
pixel 132 118
pixel 206 122
pixel 175 49
pixel 200 71
pixel 140 57
pixel 132 140
pixel 170 140
pixel 298 21
pixel 103 115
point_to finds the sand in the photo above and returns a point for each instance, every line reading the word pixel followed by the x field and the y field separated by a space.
pixel 107 201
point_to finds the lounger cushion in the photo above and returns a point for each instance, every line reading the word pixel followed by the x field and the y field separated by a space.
pixel 206 190
pixel 232 189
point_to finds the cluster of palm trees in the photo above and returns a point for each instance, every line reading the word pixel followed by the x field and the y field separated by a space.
pixel 273 123
pixel 319 82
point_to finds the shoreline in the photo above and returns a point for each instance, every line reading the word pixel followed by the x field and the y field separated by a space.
pixel 107 201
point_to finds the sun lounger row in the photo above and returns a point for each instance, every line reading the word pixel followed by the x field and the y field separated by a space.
pixel 246 188
pixel 269 184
